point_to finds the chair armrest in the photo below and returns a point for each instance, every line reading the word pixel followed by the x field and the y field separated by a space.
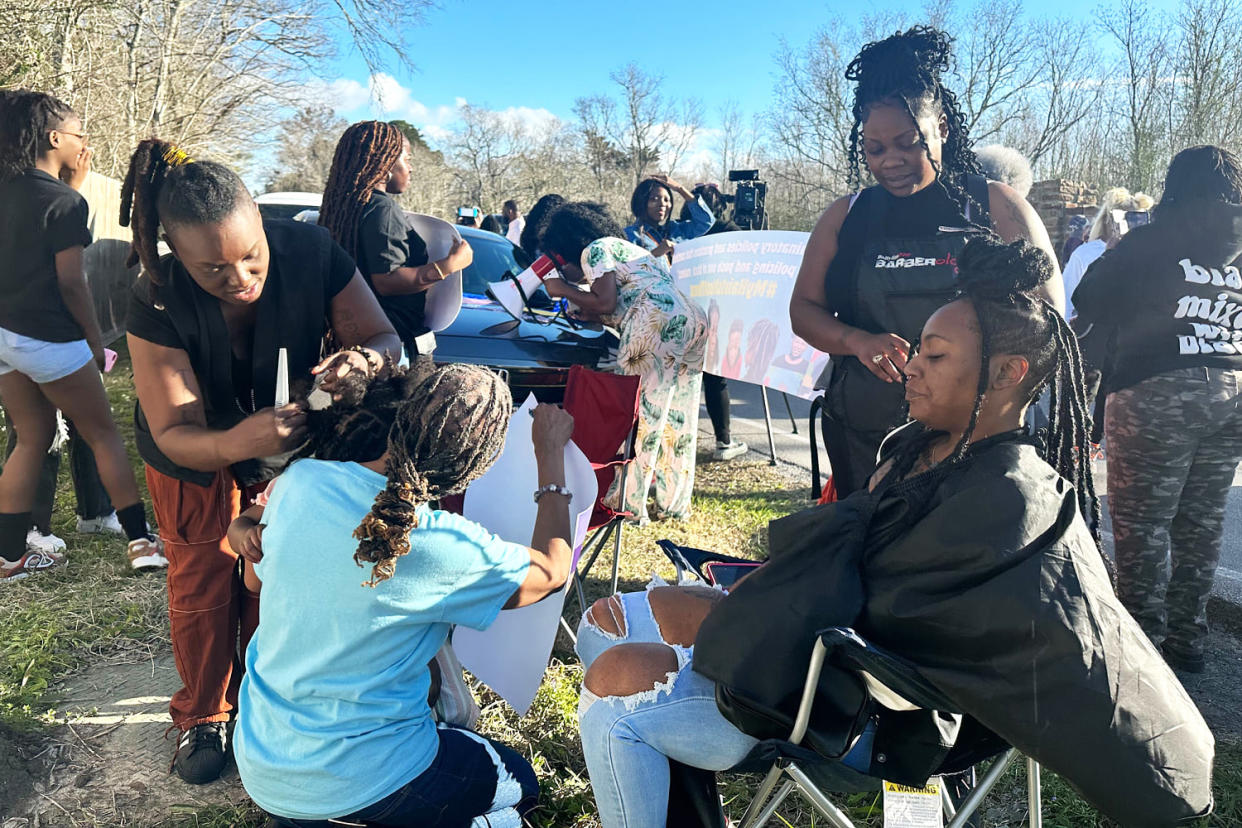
pixel 850 650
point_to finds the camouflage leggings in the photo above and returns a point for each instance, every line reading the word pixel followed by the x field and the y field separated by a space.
pixel 1174 441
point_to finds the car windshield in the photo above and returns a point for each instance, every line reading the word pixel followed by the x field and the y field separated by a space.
pixel 494 256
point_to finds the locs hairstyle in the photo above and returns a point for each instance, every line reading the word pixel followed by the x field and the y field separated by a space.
pixel 575 225
pixel 904 69
pixel 447 432
pixel 364 155
pixel 165 187
pixel 26 118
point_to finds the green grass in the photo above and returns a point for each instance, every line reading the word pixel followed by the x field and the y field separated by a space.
pixel 58 621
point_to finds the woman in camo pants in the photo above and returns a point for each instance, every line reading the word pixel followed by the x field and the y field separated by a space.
pixel 1171 295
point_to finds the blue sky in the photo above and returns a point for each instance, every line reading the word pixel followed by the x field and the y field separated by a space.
pixel 541 55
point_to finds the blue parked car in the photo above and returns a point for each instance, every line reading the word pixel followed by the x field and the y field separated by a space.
pixel 536 352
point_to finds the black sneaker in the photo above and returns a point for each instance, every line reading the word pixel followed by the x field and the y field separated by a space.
pixel 1184 661
pixel 200 753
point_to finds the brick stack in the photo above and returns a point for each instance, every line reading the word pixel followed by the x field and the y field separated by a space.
pixel 1056 200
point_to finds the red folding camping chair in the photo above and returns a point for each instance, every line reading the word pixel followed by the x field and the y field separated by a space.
pixel 605 412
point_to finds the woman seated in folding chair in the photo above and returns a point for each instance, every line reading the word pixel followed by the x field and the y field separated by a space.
pixel 968 556
pixel 663 340
pixel 335 725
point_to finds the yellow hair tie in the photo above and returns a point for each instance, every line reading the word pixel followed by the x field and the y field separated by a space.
pixel 175 157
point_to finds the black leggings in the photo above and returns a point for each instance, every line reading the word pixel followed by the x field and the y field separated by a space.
pixel 716 395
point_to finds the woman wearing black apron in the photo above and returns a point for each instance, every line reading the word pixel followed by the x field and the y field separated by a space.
pixel 879 263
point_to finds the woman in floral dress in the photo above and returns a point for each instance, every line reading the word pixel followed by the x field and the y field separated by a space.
pixel 663 337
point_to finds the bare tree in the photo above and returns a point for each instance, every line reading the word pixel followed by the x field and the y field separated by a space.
pixel 307 143
pixel 1208 73
pixel 651 129
pixel 996 65
pixel 1144 73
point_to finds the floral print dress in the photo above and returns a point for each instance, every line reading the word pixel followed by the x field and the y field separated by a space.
pixel 663 336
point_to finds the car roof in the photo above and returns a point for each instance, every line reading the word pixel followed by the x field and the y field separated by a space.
pixel 293 198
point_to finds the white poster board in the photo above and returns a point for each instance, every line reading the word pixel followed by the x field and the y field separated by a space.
pixel 512 654
pixel 444 297
pixel 744 281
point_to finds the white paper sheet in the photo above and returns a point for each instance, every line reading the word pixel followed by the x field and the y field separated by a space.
pixel 444 297
pixel 512 654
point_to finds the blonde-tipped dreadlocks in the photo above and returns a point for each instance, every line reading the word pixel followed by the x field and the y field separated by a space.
pixel 447 433
pixel 364 155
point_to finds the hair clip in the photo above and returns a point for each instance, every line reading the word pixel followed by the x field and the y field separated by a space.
pixel 176 157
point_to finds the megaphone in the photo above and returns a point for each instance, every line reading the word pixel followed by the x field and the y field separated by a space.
pixel 513 292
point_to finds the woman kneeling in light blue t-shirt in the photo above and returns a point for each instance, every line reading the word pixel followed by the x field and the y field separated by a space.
pixel 334 720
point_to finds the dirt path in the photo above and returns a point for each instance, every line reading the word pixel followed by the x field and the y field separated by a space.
pixel 107 764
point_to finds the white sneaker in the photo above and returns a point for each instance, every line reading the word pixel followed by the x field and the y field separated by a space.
pixel 727 451
pixel 48 544
pixel 99 525
pixel 144 553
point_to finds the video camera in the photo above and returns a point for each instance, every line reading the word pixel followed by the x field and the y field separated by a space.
pixel 749 211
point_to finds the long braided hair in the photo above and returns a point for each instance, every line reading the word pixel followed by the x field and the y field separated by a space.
pixel 26 118
pixel 1000 281
pixel 364 155
pixel 447 432
pixel 905 69
pixel 165 187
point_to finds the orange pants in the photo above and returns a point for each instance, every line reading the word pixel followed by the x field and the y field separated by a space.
pixel 211 614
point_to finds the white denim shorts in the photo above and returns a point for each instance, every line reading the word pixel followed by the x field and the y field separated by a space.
pixel 42 361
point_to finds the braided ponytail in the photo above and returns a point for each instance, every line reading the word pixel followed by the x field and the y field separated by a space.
pixel 447 433
pixel 1000 281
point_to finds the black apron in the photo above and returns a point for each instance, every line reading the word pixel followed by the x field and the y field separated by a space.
pixel 898 283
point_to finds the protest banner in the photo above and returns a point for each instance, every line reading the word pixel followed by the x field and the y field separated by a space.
pixel 743 281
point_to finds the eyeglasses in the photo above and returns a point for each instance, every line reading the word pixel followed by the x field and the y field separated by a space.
pixel 81 136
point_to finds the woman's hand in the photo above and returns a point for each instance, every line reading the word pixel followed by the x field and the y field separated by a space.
pixel 884 355
pixel 674 186
pixel 77 176
pixel 343 363
pixel 664 248
pixel 552 428
pixel 460 255
pixel 272 431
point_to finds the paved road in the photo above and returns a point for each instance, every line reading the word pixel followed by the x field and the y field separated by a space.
pixel 794 450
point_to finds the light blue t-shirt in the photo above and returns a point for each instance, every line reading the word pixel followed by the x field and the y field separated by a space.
pixel 333 713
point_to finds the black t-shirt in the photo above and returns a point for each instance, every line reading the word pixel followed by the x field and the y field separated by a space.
pixel 305 272
pixel 386 242
pixel 40 216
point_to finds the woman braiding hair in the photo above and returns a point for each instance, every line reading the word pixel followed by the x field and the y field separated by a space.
pixel 206 325
pixel 364 746
pixel 929 197
pixel 370 167
pixel 447 433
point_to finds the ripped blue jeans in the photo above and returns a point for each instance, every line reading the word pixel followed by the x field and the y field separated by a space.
pixel 628 740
